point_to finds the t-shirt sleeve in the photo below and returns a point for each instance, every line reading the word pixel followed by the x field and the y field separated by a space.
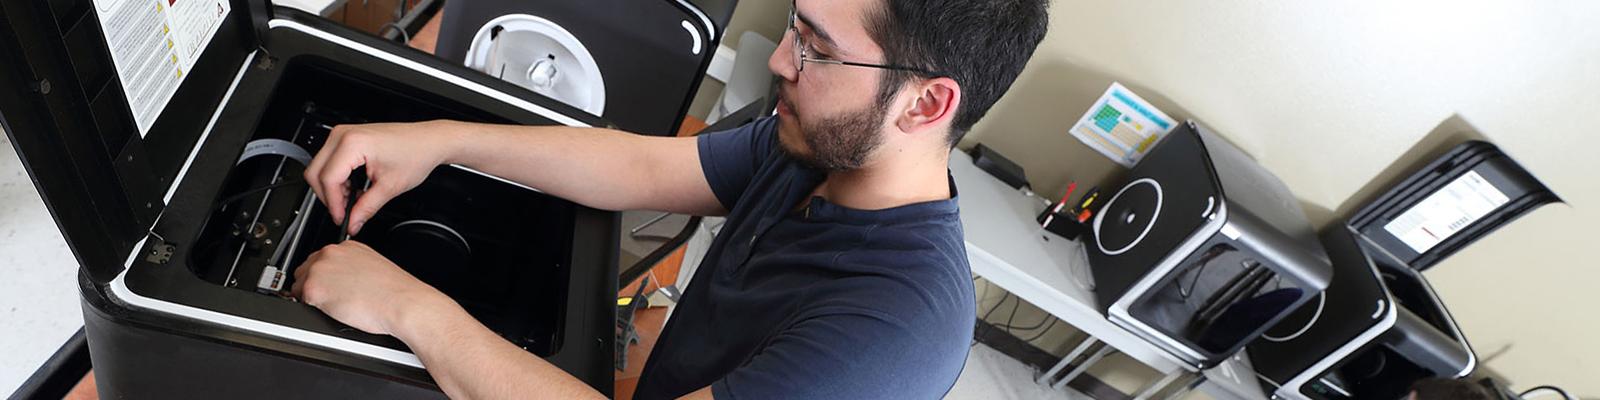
pixel 857 354
pixel 731 158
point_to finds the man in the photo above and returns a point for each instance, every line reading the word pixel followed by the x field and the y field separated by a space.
pixel 841 271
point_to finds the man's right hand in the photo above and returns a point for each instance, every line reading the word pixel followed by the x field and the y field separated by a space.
pixel 398 156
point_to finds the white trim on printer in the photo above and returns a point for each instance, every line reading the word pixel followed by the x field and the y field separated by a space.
pixel 1119 310
pixel 1291 389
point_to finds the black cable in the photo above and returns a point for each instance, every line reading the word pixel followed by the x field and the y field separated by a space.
pixel 1205 260
pixel 1013 316
pixel 1053 321
pixel 1196 282
pixel 1008 326
pixel 996 306
pixel 1041 323
pixel 1558 390
pixel 231 199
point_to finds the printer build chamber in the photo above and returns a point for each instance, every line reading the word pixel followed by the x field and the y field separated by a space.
pixel 174 228
pixel 499 249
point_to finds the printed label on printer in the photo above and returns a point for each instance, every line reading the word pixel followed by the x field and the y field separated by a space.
pixel 153 44
pixel 1446 212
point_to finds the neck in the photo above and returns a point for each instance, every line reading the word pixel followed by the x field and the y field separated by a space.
pixel 902 176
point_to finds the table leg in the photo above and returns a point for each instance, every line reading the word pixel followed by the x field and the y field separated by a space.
pixel 1195 381
pixel 1084 367
pixel 1071 356
pixel 1155 387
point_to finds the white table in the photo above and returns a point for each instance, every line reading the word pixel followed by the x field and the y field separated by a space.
pixel 1006 247
pixel 318 7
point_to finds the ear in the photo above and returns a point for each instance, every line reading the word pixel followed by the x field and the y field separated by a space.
pixel 932 106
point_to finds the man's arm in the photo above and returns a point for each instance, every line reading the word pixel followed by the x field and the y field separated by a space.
pixel 469 361
pixel 600 168
pixel 356 285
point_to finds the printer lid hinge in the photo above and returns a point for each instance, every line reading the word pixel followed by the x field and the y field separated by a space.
pixel 159 250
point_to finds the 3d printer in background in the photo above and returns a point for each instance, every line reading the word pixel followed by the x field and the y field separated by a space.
pixel 1202 249
pixel 1379 326
pixel 637 63
pixel 167 141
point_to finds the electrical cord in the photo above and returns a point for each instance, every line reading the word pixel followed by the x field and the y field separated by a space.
pixel 996 306
pixel 1027 328
pixel 1053 321
pixel 1008 326
pixel 1546 389
pixel 1013 317
pixel 1204 261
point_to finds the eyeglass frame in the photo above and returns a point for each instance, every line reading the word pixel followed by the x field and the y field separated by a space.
pixel 800 56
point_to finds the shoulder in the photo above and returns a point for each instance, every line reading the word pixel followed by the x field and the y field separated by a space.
pixel 919 284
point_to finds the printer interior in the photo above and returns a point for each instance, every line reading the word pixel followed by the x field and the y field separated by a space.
pixel 500 250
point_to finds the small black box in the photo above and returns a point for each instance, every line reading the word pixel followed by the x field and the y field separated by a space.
pixel 1001 167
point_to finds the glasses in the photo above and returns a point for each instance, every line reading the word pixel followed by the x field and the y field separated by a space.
pixel 802 53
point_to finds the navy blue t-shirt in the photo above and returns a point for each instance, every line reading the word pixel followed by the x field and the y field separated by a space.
pixel 814 301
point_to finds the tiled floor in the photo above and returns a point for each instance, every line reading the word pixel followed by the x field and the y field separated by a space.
pixel 38 277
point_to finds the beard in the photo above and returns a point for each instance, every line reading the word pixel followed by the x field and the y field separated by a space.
pixel 837 143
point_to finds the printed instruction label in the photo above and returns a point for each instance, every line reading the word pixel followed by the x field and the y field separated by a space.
pixel 1446 212
pixel 1122 126
pixel 153 44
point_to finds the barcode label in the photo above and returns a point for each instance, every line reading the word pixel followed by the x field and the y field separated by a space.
pixel 1446 212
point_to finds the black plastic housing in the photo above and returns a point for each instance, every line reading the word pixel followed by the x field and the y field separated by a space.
pixel 1350 351
pixel 1523 191
pixel 111 190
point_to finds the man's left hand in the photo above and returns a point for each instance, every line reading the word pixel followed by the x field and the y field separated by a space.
pixel 359 287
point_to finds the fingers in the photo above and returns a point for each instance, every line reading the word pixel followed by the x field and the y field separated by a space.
pixel 334 180
pixel 328 174
pixel 301 273
pixel 370 202
pixel 313 169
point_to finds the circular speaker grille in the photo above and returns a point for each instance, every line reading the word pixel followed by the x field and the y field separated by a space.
pixel 1128 216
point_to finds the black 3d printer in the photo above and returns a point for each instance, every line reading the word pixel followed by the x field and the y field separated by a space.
pixel 187 219
pixel 1203 249
pixel 1380 326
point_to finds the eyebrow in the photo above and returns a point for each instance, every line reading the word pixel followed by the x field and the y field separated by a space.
pixel 816 29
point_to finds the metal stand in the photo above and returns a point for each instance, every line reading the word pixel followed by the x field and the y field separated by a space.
pixel 646 224
pixel 1195 380
pixel 1076 352
pixel 1155 387
pixel 1099 354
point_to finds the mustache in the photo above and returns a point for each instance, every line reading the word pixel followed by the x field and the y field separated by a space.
pixel 783 97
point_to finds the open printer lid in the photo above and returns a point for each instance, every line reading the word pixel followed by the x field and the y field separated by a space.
pixel 1456 199
pixel 104 172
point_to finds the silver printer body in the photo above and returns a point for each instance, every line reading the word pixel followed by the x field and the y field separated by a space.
pixel 1203 249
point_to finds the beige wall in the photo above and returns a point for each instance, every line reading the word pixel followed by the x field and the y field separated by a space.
pixel 765 17
pixel 1332 95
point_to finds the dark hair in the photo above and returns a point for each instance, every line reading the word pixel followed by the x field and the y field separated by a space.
pixel 981 44
pixel 1451 389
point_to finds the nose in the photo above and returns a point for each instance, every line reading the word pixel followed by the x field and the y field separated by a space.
pixel 780 63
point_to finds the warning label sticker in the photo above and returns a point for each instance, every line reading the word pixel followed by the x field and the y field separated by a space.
pixel 153 44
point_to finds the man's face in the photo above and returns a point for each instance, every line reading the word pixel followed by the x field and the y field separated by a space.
pixel 829 116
